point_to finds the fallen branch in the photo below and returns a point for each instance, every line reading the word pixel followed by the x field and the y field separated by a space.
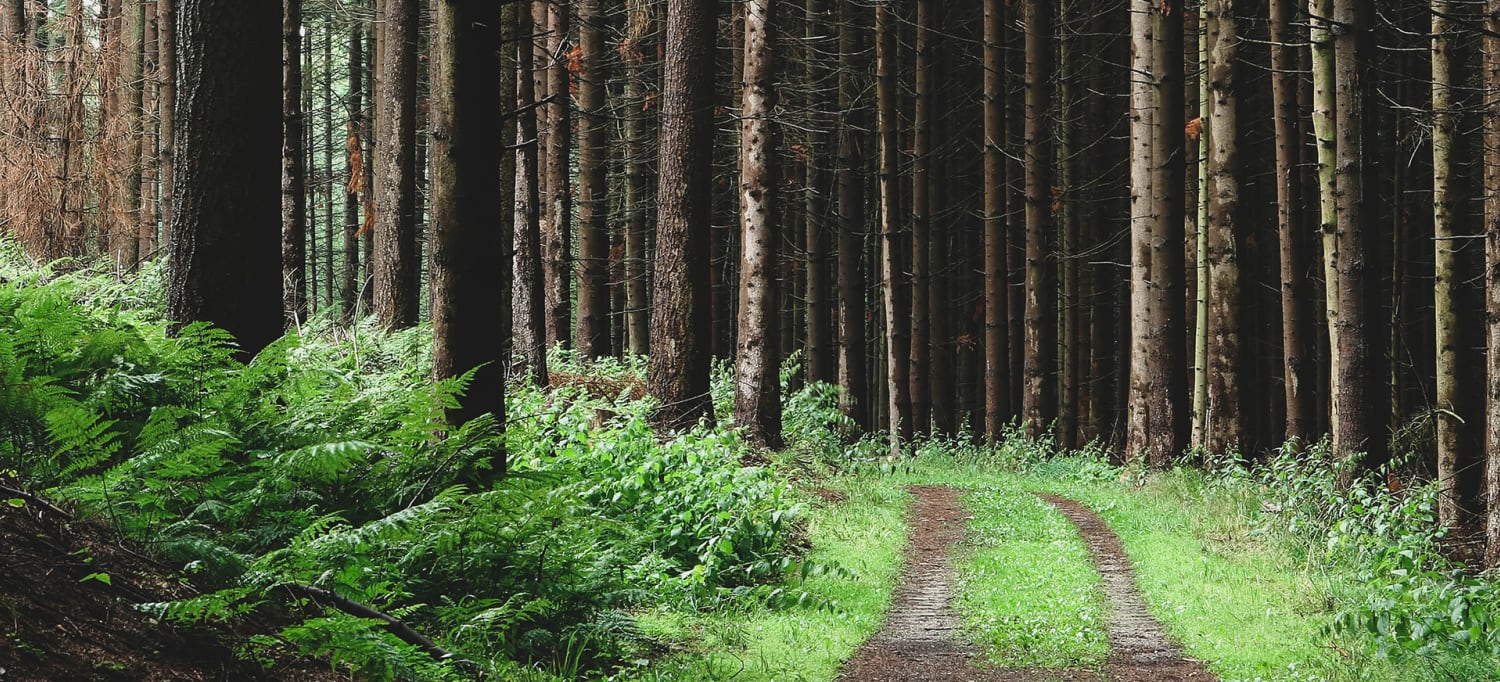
pixel 402 631
pixel 14 492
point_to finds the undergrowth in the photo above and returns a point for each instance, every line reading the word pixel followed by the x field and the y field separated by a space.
pixel 319 463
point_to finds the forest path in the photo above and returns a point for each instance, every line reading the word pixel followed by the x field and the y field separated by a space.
pixel 921 636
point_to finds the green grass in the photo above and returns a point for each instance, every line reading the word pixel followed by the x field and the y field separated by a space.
pixel 864 537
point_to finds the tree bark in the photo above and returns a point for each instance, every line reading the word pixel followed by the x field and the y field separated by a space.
pixel 467 250
pixel 1224 424
pixel 996 296
pixel 822 363
pixel 1298 357
pixel 1168 373
pixel 529 303
pixel 293 169
pixel 558 226
pixel 1491 117
pixel 853 399
pixel 225 257
pixel 593 210
pixel 1324 134
pixel 921 221
pixel 355 186
pixel 896 295
pixel 166 99
pixel 757 389
pixel 638 160
pixel 678 372
pixel 395 268
pixel 1039 400
pixel 1143 223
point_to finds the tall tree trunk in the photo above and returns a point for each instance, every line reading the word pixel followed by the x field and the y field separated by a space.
pixel 1460 487
pixel 757 389
pixel 468 261
pixel 1491 117
pixel 166 99
pixel 1069 208
pixel 921 221
pixel 996 296
pixel 1324 134
pixel 122 219
pixel 225 263
pixel 1039 400
pixel 821 361
pixel 892 261
pixel 945 262
pixel 1224 423
pixel 593 210
pixel 679 366
pixel 329 136
pixel 395 268
pixel 293 169
pixel 349 278
pixel 1143 223
pixel 1298 360
pixel 634 51
pixel 1168 373
pixel 1361 389
pixel 558 227
pixel 853 398
pixel 529 304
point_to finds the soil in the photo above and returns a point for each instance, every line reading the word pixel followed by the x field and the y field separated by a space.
pixel 921 637
pixel 57 624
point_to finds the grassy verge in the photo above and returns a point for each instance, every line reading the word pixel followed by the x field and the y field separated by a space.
pixel 862 538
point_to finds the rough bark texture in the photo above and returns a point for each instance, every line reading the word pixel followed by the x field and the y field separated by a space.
pixel 1224 425
pixel 1491 80
pixel 1361 397
pixel 895 293
pixel 1168 373
pixel 679 367
pixel 822 364
pixel 528 302
pixel 757 389
pixel 293 169
pixel 166 100
pixel 395 269
pixel 1039 401
pixel 349 277
pixel 638 160
pixel 125 216
pixel 1298 353
pixel 1143 163
pixel 593 209
pixel 921 224
pixel 1323 124
pixel 467 251
pixel 853 398
pixel 226 255
pixel 557 228
pixel 996 333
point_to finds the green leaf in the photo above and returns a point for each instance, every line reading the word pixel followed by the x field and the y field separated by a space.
pixel 101 577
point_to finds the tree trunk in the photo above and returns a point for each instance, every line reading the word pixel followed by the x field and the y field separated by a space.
pixel 166 100
pixel 638 174
pixel 529 303
pixel 225 262
pixel 1069 207
pixel 822 363
pixel 1039 400
pixel 1324 134
pixel 395 268
pixel 467 249
pixel 349 278
pixel 854 400
pixel 1143 223
pixel 1361 397
pixel 128 77
pixel 1223 423
pixel 558 226
pixel 293 169
pixel 1491 117
pixel 1298 359
pixel 678 372
pixel 757 390
pixel 921 221
pixel 1168 373
pixel 593 209
pixel 996 296
pixel 892 261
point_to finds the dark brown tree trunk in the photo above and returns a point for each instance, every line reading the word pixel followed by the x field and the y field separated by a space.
pixel 1224 425
pixel 1070 411
pixel 679 366
pixel 757 389
pixel 593 210
pixel 395 269
pixel 126 216
pixel 467 250
pixel 1167 381
pixel 225 256
pixel 293 169
pixel 166 99
pixel 822 364
pixel 528 304
pixel 896 295
pixel 1298 355
pixel 638 160
pixel 558 226
pixel 996 296
pixel 1359 404
pixel 1039 401
pixel 854 400
pixel 355 186
pixel 921 225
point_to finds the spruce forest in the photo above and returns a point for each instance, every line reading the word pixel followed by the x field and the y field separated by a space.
pixel 653 340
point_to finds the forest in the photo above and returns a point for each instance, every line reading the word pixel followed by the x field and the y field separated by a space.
pixel 750 339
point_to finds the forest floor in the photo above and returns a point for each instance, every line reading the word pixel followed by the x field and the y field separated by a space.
pixel 920 639
pixel 67 590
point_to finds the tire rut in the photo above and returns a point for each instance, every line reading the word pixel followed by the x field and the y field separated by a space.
pixel 921 638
